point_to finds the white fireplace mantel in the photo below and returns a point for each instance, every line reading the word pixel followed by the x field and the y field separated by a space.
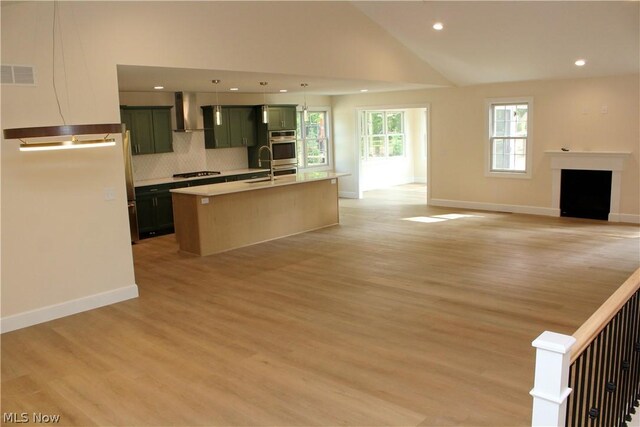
pixel 589 160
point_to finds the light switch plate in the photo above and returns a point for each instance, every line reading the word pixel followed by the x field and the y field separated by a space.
pixel 109 193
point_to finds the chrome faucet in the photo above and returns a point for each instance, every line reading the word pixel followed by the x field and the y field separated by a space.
pixel 270 160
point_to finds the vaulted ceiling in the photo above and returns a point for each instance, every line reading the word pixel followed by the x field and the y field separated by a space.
pixel 486 42
pixel 482 42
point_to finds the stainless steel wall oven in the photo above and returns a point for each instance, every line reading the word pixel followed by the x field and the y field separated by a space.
pixel 283 145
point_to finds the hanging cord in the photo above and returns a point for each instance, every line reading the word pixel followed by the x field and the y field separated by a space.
pixel 84 56
pixel 53 62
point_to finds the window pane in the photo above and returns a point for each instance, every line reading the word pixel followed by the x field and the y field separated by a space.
pixel 298 124
pixel 316 152
pixel 376 146
pixel 300 153
pixel 375 123
pixel 396 145
pixel 509 155
pixel 394 122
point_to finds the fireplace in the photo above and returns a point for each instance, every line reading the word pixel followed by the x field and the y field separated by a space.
pixel 585 193
pixel 611 162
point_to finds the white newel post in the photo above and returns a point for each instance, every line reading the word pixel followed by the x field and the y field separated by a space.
pixel 550 388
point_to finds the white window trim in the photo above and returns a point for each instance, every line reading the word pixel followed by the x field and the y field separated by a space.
pixel 329 165
pixel 487 146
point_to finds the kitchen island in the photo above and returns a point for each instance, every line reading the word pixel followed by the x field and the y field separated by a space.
pixel 218 217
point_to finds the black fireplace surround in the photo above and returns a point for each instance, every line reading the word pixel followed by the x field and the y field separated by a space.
pixel 585 193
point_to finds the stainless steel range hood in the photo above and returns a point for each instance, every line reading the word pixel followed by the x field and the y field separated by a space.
pixel 186 112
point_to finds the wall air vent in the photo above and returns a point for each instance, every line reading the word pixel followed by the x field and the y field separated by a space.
pixel 18 75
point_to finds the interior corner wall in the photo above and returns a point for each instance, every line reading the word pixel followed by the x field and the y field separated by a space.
pixel 566 113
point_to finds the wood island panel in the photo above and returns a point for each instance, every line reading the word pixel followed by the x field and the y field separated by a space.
pixel 234 220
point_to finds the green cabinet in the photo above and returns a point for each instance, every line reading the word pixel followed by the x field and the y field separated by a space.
pixel 150 129
pixel 237 127
pixel 154 209
pixel 242 126
pixel 215 136
pixel 282 117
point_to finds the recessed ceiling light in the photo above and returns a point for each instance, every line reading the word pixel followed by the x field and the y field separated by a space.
pixel 438 26
pixel 283 90
pixel 158 87
pixel 364 90
pixel 580 62
pixel 234 88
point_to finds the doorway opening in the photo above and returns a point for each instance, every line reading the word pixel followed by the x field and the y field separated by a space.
pixel 393 148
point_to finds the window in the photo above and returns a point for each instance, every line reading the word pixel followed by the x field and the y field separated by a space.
pixel 509 137
pixel 382 134
pixel 313 139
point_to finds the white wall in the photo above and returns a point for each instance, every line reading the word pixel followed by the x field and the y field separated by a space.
pixel 567 113
pixel 418 135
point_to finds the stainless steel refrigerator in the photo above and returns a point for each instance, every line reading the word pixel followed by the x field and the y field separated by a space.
pixel 131 191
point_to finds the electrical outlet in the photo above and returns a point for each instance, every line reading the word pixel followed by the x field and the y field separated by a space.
pixel 333 181
pixel 109 193
pixel 204 201
pixel 604 109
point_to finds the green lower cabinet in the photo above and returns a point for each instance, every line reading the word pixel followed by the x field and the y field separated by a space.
pixel 164 211
pixel 252 175
pixel 146 214
pixel 154 210
pixel 204 181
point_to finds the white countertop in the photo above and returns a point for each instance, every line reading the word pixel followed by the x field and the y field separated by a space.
pixel 170 179
pixel 256 184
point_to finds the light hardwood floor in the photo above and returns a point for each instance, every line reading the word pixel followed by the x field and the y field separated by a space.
pixel 378 321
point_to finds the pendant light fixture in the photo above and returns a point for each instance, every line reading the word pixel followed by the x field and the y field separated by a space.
pixel 217 110
pixel 265 107
pixel 65 130
pixel 305 109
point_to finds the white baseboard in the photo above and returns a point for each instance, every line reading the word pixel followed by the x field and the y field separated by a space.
pixel 531 210
pixel 347 194
pixel 630 218
pixel 67 308
pixel 464 204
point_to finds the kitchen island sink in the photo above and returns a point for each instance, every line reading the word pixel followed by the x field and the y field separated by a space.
pixel 215 218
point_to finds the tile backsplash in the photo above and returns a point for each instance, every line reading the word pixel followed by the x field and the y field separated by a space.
pixel 188 155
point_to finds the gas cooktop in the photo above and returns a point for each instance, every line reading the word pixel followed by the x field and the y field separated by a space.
pixel 195 174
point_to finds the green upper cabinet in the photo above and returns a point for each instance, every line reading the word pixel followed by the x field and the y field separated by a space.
pixel 216 136
pixel 282 117
pixel 162 135
pixel 242 126
pixel 150 129
pixel 237 127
